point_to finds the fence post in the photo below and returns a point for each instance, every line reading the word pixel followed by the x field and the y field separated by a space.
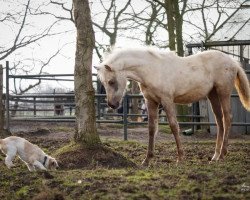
pixel 34 106
pixel 1 100
pixel 7 98
pixel 125 116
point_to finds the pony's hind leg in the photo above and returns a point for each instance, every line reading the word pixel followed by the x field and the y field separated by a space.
pixel 152 127
pixel 169 108
pixel 227 119
pixel 216 106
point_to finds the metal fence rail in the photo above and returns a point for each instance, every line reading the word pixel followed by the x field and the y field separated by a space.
pixel 35 104
pixel 194 120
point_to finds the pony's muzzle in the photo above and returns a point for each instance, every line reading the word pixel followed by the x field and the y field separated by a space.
pixel 113 105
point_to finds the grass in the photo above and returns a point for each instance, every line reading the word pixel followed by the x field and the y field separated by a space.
pixel 194 178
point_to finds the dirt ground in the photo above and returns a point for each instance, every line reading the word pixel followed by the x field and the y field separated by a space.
pixel 114 171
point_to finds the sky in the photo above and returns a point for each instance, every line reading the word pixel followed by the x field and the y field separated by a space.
pixel 31 55
pixel 41 51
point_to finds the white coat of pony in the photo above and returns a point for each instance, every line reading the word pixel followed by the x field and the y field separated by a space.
pixel 167 79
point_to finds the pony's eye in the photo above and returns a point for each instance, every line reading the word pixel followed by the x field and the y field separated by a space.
pixel 111 82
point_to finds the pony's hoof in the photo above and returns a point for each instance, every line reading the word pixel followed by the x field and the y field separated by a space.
pixel 145 163
pixel 180 159
pixel 179 162
pixel 221 158
pixel 215 160
pixel 211 162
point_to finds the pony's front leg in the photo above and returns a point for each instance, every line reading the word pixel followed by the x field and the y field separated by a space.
pixel 169 108
pixel 152 128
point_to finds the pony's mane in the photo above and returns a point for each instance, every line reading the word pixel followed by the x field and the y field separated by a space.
pixel 151 51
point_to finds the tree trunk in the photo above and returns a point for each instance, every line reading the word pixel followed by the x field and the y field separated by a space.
pixel 86 132
pixel 178 27
pixel 171 23
pixel 175 22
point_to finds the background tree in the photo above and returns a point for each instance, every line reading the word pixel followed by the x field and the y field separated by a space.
pixel 19 23
pixel 204 17
pixel 174 23
pixel 86 132
pixel 110 21
pixel 25 35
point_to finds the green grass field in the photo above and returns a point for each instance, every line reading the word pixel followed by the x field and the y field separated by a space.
pixel 122 177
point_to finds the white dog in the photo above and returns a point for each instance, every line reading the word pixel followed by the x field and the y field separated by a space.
pixel 31 154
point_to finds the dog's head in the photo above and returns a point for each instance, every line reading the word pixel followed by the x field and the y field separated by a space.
pixel 52 163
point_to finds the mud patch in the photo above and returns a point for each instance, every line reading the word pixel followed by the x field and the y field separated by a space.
pixel 49 194
pixel 230 180
pixel 35 132
pixel 199 177
pixel 76 156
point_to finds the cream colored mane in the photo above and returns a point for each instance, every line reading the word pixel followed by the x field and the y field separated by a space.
pixel 143 52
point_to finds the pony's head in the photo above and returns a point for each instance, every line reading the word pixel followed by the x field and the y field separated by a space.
pixel 114 82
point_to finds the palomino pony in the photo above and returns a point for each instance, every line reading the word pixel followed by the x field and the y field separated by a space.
pixel 167 79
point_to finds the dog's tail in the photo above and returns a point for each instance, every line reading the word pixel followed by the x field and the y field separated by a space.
pixel 243 88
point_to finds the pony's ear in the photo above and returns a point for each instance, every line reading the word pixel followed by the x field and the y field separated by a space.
pixel 97 68
pixel 108 68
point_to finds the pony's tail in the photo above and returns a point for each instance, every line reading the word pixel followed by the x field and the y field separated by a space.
pixel 243 88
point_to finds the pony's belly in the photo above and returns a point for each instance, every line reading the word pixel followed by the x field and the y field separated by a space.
pixel 189 97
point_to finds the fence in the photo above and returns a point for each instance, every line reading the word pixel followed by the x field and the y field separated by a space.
pixel 42 107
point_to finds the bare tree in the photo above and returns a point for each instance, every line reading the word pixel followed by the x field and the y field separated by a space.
pixel 22 38
pixel 25 34
pixel 112 23
pixel 174 23
pixel 66 7
pixel 204 17
pixel 86 132
pixel 150 20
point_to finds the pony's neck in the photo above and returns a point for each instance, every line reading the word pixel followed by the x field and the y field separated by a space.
pixel 138 64
pixel 137 69
pixel 133 74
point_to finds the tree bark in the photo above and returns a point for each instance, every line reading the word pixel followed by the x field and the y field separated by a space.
pixel 178 27
pixel 86 132
pixel 171 24
pixel 175 22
